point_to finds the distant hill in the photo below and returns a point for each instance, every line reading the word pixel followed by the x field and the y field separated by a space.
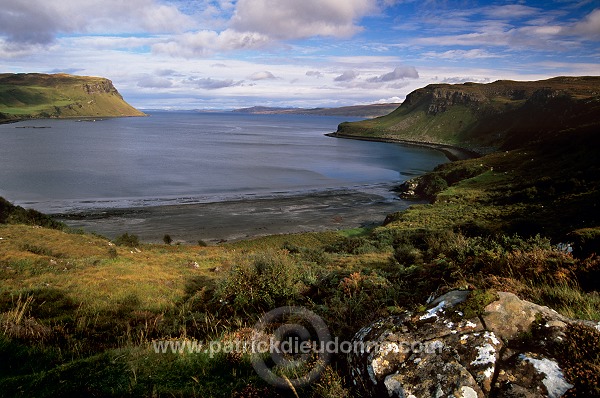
pixel 373 110
pixel 35 95
pixel 486 117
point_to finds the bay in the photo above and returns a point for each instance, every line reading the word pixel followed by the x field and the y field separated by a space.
pixel 176 158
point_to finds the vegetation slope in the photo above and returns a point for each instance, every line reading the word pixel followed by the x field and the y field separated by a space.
pixel 79 314
pixel 34 95
pixel 488 117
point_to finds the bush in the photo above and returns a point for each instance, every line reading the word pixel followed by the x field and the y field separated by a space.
pixel 167 239
pixel 262 282
pixel 407 254
pixel 127 240
pixel 431 185
pixel 352 245
pixel 11 214
pixel 465 171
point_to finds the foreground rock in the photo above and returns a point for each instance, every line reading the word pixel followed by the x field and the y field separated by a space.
pixel 466 345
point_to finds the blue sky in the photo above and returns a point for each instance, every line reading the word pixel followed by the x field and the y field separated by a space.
pixel 223 54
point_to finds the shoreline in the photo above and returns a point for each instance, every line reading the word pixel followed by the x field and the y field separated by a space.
pixel 229 221
pixel 453 153
pixel 218 222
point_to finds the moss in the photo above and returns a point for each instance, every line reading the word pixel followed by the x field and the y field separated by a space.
pixel 475 304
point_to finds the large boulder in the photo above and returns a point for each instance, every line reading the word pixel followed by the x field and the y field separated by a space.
pixel 467 344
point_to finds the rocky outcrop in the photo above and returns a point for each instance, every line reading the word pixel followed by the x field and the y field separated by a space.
pixel 442 98
pixel 101 86
pixel 463 346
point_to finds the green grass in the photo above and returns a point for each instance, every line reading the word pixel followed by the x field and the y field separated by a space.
pixel 38 95
pixel 355 232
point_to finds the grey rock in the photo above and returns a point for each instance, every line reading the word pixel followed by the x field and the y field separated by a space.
pixel 439 353
pixel 509 316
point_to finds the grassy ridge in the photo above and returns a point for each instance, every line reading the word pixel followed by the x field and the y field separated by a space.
pixel 487 117
pixel 35 95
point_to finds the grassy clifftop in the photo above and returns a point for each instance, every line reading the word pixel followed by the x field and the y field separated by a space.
pixel 487 117
pixel 34 95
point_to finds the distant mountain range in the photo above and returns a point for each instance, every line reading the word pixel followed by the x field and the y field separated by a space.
pixel 35 95
pixel 367 111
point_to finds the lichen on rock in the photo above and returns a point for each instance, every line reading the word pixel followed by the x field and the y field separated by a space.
pixel 441 352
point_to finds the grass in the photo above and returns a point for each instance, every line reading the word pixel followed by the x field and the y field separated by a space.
pixel 112 308
pixel 74 311
pixel 38 95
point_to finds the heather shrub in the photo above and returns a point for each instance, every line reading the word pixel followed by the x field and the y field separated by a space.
pixel 262 281
pixel 127 240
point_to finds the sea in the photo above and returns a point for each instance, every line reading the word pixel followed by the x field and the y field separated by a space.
pixel 66 166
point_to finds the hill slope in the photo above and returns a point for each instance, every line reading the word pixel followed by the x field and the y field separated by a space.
pixel 34 95
pixel 487 117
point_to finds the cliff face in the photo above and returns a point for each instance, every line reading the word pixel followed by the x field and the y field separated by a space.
pixel 487 117
pixel 35 95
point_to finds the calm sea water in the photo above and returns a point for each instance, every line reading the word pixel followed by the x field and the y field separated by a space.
pixel 186 157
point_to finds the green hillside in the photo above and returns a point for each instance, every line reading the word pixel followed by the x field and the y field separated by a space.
pixel 487 117
pixel 33 95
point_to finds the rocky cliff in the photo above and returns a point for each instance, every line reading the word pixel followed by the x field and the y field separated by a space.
pixel 35 95
pixel 488 117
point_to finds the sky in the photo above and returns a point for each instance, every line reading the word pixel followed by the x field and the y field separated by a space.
pixel 225 54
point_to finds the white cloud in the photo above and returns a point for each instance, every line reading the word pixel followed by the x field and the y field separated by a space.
pixel 149 81
pixel 390 100
pixel 510 11
pixel 461 54
pixel 400 72
pixel 40 21
pixel 293 19
pixel 526 37
pixel 207 42
pixel 11 50
pixel 465 79
pixel 108 42
pixel 347 76
pixel 589 27
pixel 314 73
pixel 215 84
pixel 264 75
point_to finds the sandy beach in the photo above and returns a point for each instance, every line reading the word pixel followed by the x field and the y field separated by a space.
pixel 240 219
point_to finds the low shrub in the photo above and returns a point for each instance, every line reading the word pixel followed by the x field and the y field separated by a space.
pixel 261 282
pixel 127 240
pixel 353 245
